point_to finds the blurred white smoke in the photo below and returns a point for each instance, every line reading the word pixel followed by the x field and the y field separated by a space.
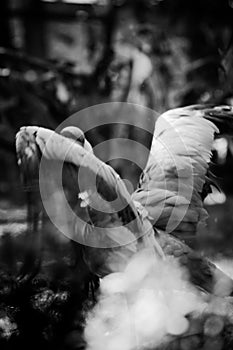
pixel 140 307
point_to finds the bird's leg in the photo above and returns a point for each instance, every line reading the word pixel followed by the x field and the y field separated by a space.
pixel 33 244
pixel 89 282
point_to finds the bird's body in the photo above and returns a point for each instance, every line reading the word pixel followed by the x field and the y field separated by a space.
pixel 106 222
pixel 110 224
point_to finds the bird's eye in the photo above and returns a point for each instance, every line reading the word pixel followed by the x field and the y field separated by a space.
pixel 74 134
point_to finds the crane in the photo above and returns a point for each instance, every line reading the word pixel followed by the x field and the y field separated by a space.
pixel 110 224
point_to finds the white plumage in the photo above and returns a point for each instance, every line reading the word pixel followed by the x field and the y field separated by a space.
pixel 169 196
pixel 174 176
pixel 110 220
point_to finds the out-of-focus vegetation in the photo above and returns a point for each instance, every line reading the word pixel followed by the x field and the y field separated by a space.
pixel 58 58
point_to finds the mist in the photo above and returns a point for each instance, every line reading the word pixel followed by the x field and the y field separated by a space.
pixel 142 306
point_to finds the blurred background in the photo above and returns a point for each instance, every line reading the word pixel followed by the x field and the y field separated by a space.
pixel 58 57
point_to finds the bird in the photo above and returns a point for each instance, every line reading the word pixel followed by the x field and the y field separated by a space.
pixel 110 224
pixel 109 218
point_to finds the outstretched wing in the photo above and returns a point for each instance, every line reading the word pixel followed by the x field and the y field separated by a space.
pixel 105 215
pixel 173 183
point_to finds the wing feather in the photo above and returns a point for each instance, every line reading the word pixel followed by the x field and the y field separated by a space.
pixel 176 169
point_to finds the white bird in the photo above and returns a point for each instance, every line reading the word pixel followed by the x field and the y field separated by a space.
pixel 115 225
pixel 109 216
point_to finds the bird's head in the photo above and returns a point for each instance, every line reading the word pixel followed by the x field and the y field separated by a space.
pixel 76 134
